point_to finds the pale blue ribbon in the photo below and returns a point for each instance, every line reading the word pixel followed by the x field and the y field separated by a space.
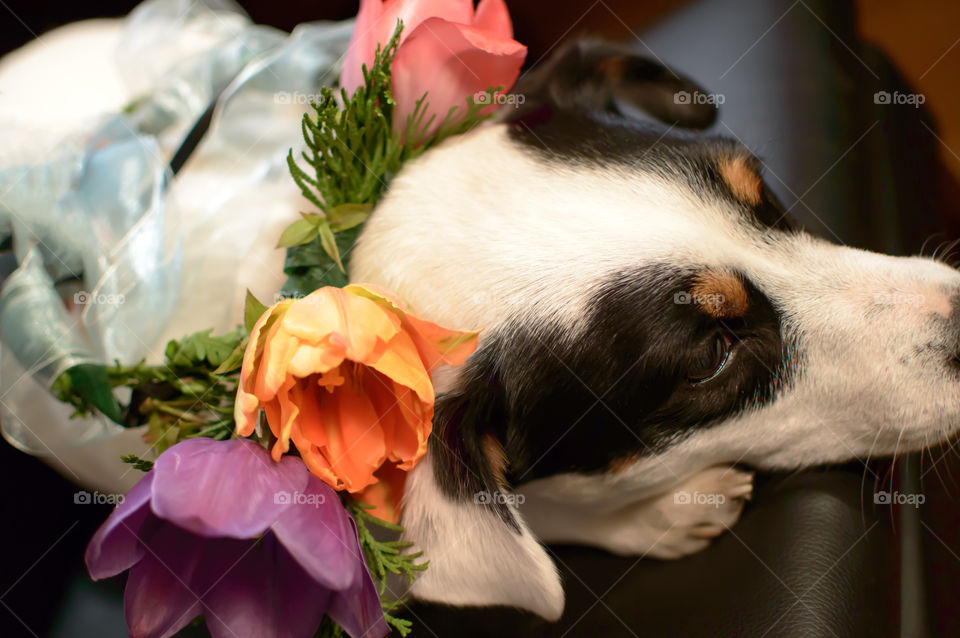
pixel 101 215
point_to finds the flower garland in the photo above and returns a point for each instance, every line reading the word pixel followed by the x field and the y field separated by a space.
pixel 282 444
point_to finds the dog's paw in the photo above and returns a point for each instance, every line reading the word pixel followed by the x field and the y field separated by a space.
pixel 685 520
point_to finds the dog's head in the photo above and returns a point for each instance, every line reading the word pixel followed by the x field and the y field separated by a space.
pixel 648 309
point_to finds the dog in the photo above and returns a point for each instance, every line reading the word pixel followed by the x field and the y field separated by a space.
pixel 653 322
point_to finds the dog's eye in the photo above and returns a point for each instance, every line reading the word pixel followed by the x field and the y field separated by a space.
pixel 712 359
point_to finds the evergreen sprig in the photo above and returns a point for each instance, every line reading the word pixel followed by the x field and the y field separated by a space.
pixel 138 463
pixel 190 394
pixel 353 149
pixel 386 557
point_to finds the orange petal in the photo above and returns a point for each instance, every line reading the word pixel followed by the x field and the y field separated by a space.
pixel 314 318
pixel 331 315
pixel 400 361
pixel 278 348
pixel 367 325
pixel 386 494
pixel 245 411
pixel 440 345
pixel 413 429
pixel 348 434
pixel 315 359
pixel 247 404
pixel 435 344
pixel 380 390
pixel 290 397
pixel 311 423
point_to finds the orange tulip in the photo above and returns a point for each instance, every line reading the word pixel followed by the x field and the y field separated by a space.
pixel 344 373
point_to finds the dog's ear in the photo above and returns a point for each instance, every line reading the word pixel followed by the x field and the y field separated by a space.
pixel 593 75
pixel 461 512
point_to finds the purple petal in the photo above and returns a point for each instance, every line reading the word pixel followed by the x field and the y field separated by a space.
pixel 267 594
pixel 358 609
pixel 318 533
pixel 224 488
pixel 116 546
pixel 165 589
pixel 158 600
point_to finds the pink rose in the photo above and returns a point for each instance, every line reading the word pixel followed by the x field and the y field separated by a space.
pixel 446 49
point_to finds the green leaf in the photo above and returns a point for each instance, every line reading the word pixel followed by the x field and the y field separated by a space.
pixel 235 360
pixel 89 383
pixel 253 309
pixel 201 348
pixel 309 267
pixel 297 233
pixel 329 244
pixel 346 216
pixel 138 463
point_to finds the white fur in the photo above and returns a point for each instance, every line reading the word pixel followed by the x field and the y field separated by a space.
pixel 470 550
pixel 668 524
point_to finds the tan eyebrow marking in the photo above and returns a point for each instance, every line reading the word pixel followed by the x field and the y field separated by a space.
pixel 744 182
pixel 497 458
pixel 720 293
pixel 622 463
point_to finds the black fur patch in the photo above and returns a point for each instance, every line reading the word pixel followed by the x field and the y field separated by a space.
pixel 594 75
pixel 562 402
pixel 558 136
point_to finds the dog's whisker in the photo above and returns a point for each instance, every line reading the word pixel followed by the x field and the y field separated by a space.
pixel 929 238
pixel 863 479
pixel 945 250
pixel 936 469
pixel 948 447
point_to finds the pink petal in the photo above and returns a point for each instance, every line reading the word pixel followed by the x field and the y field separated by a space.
pixel 414 12
pixel 377 21
pixel 492 16
pixel 363 43
pixel 452 62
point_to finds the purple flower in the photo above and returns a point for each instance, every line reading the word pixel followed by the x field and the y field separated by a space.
pixel 259 548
